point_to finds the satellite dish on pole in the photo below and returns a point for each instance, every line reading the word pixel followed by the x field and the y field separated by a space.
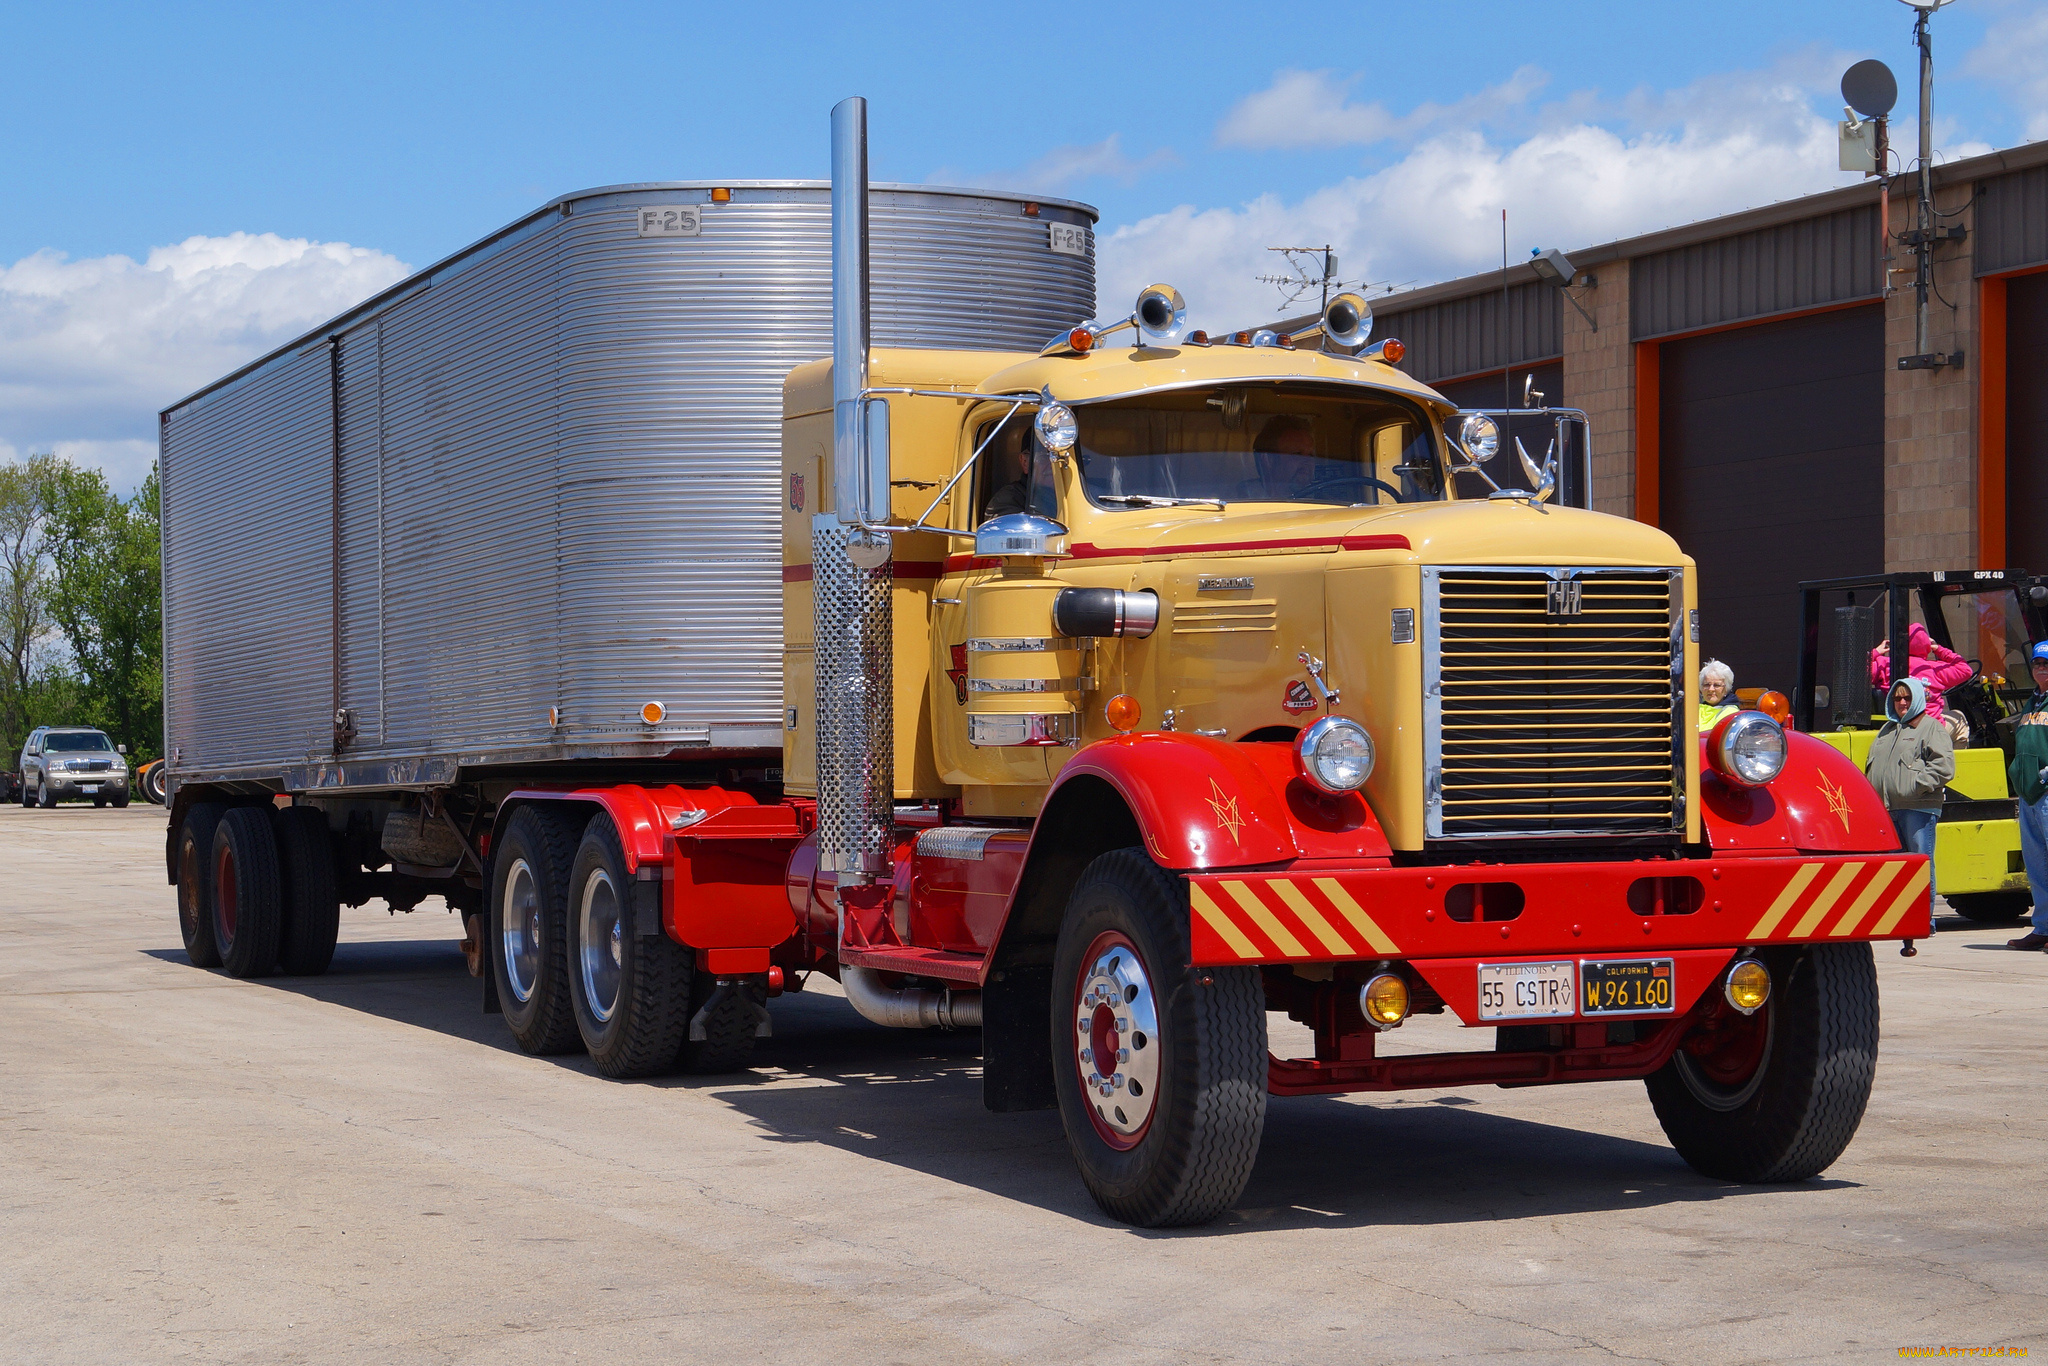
pixel 1870 88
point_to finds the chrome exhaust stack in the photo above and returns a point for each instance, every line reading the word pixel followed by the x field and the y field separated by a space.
pixel 852 573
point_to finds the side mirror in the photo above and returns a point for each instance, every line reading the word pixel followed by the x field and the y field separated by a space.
pixel 120 749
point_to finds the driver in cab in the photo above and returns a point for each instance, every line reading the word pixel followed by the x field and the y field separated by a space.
pixel 1285 453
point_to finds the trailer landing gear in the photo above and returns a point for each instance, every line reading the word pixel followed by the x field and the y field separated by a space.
pixel 1160 1068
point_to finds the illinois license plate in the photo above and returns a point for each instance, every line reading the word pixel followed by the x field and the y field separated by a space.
pixel 89 789
pixel 1527 991
pixel 1627 986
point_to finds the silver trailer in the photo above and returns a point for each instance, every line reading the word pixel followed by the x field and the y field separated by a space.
pixel 523 508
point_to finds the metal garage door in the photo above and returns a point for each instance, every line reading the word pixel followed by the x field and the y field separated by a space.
pixel 2026 422
pixel 1772 471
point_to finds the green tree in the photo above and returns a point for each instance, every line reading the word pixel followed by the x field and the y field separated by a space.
pixel 24 585
pixel 105 596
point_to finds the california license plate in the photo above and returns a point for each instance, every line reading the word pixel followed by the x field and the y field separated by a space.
pixel 1627 986
pixel 1527 991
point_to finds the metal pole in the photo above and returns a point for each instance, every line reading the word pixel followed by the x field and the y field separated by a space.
pixel 849 306
pixel 1925 275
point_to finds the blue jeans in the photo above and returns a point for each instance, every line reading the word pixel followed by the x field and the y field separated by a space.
pixel 2034 849
pixel 1916 834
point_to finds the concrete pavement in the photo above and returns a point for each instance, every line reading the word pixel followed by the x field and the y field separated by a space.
pixel 362 1168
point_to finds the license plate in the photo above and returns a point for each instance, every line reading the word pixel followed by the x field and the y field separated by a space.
pixel 1627 986
pixel 1523 991
pixel 88 788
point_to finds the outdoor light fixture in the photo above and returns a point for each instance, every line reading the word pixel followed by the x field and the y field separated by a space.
pixel 1555 269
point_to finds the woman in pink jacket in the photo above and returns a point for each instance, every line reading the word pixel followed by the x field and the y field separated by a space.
pixel 1939 667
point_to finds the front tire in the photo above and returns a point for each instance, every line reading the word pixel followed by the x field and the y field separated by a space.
pixel 1778 1096
pixel 246 895
pixel 195 883
pixel 631 992
pixel 1164 1121
pixel 1992 908
pixel 43 797
pixel 529 929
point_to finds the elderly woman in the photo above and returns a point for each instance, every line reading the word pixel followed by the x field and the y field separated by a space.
pixel 1717 693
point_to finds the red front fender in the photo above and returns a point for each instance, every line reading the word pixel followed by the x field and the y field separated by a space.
pixel 1204 803
pixel 1821 803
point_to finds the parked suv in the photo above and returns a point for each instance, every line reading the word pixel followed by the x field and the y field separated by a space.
pixel 62 762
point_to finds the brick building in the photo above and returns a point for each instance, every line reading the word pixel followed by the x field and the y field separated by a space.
pixel 1742 381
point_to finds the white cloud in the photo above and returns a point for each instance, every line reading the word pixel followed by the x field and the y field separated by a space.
pixel 2014 56
pixel 1583 171
pixel 91 349
pixel 1312 109
pixel 1063 168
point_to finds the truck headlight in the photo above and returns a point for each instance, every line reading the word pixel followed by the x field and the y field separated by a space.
pixel 1747 748
pixel 1480 436
pixel 1335 754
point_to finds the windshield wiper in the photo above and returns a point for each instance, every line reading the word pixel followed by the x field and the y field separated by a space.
pixel 1147 500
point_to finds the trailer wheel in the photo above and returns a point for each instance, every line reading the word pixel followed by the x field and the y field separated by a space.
pixel 195 883
pixel 312 903
pixel 1160 1068
pixel 631 992
pixel 1992 908
pixel 1778 1096
pixel 529 930
pixel 245 893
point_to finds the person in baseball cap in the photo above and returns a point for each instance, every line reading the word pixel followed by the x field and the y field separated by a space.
pixel 2029 777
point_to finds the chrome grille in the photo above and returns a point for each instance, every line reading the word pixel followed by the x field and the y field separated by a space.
pixel 1539 720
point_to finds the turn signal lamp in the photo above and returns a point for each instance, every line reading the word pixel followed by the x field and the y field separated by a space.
pixel 1747 748
pixel 1748 986
pixel 1082 340
pixel 1392 350
pixel 652 713
pixel 1384 1000
pixel 1775 705
pixel 1123 712
pixel 721 196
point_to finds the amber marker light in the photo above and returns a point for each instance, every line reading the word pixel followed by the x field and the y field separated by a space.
pixel 721 196
pixel 1748 986
pixel 1775 705
pixel 1082 340
pixel 1393 351
pixel 1384 1000
pixel 652 713
pixel 1198 337
pixel 1123 712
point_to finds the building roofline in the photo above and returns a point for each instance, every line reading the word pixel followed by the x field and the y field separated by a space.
pixel 2022 157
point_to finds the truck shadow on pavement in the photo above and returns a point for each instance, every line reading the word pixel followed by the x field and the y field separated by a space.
pixel 913 1099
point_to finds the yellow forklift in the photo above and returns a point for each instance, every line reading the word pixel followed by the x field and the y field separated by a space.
pixel 1990 617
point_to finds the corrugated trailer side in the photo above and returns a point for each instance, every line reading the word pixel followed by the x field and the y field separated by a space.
pixel 486 516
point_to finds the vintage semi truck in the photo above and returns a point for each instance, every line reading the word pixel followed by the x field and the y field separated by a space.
pixel 1105 694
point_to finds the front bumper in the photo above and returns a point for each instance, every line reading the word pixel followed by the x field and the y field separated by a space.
pixel 1307 913
pixel 72 786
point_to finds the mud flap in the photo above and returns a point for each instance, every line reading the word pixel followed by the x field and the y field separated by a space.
pixel 727 989
pixel 1016 1040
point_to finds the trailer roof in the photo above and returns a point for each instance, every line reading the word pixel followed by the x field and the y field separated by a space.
pixel 419 279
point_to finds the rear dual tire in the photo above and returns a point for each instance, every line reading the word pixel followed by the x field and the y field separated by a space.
pixel 630 992
pixel 247 892
pixel 282 911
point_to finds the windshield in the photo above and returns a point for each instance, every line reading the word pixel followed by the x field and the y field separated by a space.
pixel 1257 444
pixel 76 741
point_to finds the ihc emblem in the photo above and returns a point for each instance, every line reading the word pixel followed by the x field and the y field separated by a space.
pixel 1561 598
pixel 958 673
pixel 796 493
pixel 1297 699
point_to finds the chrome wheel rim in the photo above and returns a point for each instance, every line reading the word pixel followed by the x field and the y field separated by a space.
pixel 520 917
pixel 1116 1041
pixel 601 944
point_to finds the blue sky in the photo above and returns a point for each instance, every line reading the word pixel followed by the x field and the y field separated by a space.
pixel 317 151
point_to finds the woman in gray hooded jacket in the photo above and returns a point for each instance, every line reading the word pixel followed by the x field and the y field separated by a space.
pixel 1912 759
